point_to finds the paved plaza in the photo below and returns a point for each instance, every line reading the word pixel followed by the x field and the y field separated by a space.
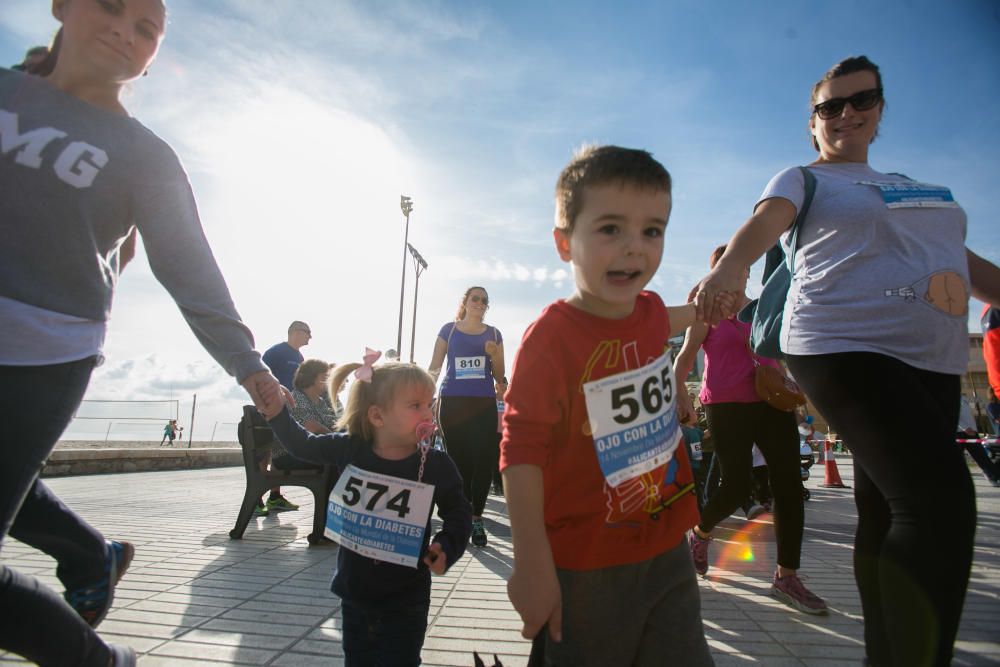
pixel 194 597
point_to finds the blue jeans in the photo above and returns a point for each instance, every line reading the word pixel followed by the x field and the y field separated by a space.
pixel 37 403
pixel 384 635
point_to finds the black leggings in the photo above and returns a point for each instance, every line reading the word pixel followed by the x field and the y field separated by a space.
pixel 735 428
pixel 469 424
pixel 915 498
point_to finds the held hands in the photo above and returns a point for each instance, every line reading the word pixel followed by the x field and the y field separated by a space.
pixel 436 559
pixel 717 295
pixel 267 393
pixel 537 599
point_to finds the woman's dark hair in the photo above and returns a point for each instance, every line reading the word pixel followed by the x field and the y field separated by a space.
pixel 308 371
pixel 843 68
pixel 716 255
pixel 45 67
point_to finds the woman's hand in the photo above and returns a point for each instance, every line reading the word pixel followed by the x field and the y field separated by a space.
pixel 268 396
pixel 770 218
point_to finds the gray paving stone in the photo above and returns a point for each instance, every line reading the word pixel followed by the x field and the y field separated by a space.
pixel 289 659
pixel 193 596
pixel 230 655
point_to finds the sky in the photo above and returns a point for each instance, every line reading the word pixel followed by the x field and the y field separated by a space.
pixel 302 123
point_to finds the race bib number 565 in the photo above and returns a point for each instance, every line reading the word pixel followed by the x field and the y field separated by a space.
pixel 633 419
pixel 379 516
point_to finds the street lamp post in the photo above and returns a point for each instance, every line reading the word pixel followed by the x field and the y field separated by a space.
pixel 419 264
pixel 405 205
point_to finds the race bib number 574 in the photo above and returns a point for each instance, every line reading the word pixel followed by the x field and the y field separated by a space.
pixel 633 419
pixel 379 516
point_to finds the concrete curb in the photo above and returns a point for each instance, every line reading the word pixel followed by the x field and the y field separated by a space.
pixel 63 462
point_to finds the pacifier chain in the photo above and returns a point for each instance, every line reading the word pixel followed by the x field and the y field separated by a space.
pixel 425 440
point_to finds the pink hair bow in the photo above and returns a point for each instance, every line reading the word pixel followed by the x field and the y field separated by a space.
pixel 365 372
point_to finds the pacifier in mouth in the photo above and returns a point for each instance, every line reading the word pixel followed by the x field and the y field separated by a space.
pixel 425 432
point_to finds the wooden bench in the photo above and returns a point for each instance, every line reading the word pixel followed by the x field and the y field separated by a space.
pixel 256 439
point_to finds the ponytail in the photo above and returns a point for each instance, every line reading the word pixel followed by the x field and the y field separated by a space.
pixel 46 67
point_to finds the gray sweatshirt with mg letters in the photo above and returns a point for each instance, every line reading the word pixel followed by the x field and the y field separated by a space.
pixel 73 180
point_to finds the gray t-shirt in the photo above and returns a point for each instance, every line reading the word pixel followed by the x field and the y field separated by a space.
pixel 73 180
pixel 881 267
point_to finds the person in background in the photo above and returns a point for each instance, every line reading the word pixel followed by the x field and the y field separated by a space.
pixel 314 408
pixel 990 321
pixel 879 301
pixel 284 358
pixel 738 418
pixel 468 398
pixel 993 411
pixel 76 173
pixel 34 57
pixel 968 436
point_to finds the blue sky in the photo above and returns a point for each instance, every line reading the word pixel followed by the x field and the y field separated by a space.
pixel 301 123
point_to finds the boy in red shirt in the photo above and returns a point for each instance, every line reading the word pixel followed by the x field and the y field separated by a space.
pixel 598 491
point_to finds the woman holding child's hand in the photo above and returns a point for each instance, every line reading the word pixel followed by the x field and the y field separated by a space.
pixel 878 301
pixel 80 174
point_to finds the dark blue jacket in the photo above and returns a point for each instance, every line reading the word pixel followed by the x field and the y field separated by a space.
pixel 360 579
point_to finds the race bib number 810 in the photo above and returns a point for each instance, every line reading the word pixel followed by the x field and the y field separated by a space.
pixel 379 516
pixel 633 419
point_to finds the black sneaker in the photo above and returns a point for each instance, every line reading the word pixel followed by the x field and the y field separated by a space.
pixel 478 533
pixel 93 602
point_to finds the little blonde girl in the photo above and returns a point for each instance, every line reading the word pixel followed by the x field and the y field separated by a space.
pixel 385 597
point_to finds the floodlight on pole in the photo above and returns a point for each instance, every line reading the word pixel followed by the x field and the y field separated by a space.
pixel 419 265
pixel 406 206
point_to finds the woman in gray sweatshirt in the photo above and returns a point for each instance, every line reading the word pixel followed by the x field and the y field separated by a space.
pixel 77 173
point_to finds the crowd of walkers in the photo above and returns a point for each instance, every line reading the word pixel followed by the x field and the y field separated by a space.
pixel 608 539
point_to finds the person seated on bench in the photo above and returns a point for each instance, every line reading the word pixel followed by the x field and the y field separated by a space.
pixel 315 411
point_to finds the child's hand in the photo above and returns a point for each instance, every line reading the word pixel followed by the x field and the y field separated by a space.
pixel 436 559
pixel 537 599
pixel 726 302
pixel 268 395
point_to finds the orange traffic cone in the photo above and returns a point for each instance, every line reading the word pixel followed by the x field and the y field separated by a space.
pixel 832 474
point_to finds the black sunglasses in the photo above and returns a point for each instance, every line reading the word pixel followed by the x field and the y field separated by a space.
pixel 475 298
pixel 862 101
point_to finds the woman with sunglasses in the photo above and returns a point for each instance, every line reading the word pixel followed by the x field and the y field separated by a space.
pixel 468 408
pixel 879 301
pixel 76 174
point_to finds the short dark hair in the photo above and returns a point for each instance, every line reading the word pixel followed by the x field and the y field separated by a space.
pixel 308 371
pixel 843 68
pixel 600 165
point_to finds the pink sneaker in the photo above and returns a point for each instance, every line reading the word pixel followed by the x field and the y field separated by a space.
pixel 793 592
pixel 699 552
